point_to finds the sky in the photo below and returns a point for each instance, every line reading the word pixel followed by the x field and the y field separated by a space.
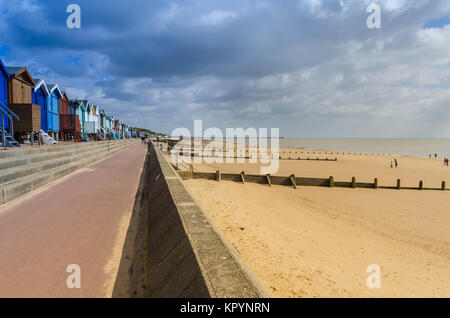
pixel 311 68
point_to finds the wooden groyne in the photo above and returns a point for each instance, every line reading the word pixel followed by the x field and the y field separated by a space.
pixel 294 181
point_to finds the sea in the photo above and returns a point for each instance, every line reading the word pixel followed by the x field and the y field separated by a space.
pixel 414 147
pixel 404 147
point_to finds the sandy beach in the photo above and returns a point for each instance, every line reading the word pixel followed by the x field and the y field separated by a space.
pixel 318 242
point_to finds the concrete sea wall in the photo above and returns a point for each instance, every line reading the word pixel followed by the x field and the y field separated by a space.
pixel 171 250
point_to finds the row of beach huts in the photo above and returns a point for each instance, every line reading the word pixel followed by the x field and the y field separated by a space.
pixel 35 111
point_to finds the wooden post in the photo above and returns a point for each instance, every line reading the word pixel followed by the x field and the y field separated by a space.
pixel 191 168
pixel 398 184
pixel 353 182
pixel 243 177
pixel 268 180
pixel 375 183
pixel 443 185
pixel 293 183
pixel 331 182
pixel 218 176
pixel 421 185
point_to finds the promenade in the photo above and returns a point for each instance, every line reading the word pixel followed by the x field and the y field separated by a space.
pixel 81 219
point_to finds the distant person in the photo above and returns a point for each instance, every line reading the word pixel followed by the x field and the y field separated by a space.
pixel 143 139
pixel 435 156
pixel 430 156
pixel 392 164
pixel 396 163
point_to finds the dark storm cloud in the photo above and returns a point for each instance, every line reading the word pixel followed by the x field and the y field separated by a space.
pixel 163 63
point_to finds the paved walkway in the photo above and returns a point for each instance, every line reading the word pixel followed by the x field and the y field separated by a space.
pixel 81 220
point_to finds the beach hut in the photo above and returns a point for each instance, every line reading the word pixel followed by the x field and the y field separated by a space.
pixel 113 127
pixel 80 108
pixel 6 114
pixel 104 124
pixel 84 115
pixel 69 123
pixel 126 131
pixel 53 111
pixel 20 84
pixel 117 128
pixel 7 139
pixel 109 125
pixel 103 119
pixel 39 96
pixel 97 120
pixel 90 124
pixel 4 76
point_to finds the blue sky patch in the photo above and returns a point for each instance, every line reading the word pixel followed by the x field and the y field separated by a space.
pixel 439 23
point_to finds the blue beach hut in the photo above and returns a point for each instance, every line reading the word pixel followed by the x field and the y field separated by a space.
pixel 39 96
pixel 53 110
pixel 4 76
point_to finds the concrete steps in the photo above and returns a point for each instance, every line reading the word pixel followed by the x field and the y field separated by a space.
pixel 25 170
pixel 26 159
pixel 21 153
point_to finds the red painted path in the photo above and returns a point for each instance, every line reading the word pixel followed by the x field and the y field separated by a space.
pixel 81 220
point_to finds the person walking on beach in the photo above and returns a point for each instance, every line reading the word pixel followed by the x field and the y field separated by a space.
pixel 396 163
pixel 435 156
pixel 392 165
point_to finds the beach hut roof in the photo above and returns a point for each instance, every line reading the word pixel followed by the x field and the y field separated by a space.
pixel 77 103
pixel 64 96
pixel 40 83
pixel 54 88
pixel 3 69
pixel 84 102
pixel 17 71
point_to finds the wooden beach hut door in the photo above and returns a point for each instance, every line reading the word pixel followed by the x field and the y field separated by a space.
pixel 40 99
pixel 55 112
pixel 48 114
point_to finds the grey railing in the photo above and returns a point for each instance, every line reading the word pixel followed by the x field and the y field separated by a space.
pixel 10 115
